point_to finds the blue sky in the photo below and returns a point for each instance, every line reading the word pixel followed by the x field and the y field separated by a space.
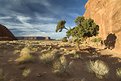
pixel 39 17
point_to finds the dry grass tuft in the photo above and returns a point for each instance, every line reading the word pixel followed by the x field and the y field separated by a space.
pixel 60 66
pixel 26 72
pixel 118 72
pixel 49 57
pixel 25 56
pixel 16 51
pixel 99 68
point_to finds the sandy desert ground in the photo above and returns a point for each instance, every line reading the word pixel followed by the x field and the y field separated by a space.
pixel 57 61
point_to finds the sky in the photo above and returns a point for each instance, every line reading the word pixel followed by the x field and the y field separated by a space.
pixel 39 17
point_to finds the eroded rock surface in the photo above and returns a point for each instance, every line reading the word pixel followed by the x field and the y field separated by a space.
pixel 107 14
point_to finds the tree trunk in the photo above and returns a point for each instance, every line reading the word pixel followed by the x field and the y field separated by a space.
pixel 77 46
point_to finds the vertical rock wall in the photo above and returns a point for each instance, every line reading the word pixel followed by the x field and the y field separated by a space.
pixel 107 14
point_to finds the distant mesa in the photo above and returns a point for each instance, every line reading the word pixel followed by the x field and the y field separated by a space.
pixel 6 34
pixel 33 38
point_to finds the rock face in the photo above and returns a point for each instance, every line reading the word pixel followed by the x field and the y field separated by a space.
pixel 5 34
pixel 107 14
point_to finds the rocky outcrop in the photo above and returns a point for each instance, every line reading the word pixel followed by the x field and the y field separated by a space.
pixel 5 34
pixel 107 14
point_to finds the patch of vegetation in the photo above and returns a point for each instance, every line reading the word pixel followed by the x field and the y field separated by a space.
pixel 32 48
pixel 26 72
pixel 60 66
pixel 60 26
pixel 65 39
pixel 25 56
pixel 84 28
pixel 96 40
pixel 74 53
pixel 118 72
pixel 49 57
pixel 99 68
pixel 16 51
pixel 50 48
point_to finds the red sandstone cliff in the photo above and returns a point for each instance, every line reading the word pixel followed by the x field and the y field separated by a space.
pixel 107 14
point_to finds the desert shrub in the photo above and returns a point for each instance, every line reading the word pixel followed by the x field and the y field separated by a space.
pixel 63 49
pixel 65 39
pixel 60 65
pixel 118 72
pixel 26 72
pixel 16 51
pixel 74 53
pixel 50 48
pixel 1 75
pixel 25 56
pixel 99 68
pixel 49 57
pixel 44 50
pixel 32 48
pixel 77 56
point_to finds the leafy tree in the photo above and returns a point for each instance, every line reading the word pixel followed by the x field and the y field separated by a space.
pixel 79 20
pixel 85 28
pixel 60 26
pixel 76 34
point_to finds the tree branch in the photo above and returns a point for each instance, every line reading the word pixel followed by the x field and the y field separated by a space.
pixel 66 28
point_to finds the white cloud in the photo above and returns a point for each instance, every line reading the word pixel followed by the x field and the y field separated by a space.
pixel 39 17
pixel 23 20
pixel 45 18
pixel 5 17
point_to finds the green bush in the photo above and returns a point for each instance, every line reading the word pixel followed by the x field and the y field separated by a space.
pixel 64 39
